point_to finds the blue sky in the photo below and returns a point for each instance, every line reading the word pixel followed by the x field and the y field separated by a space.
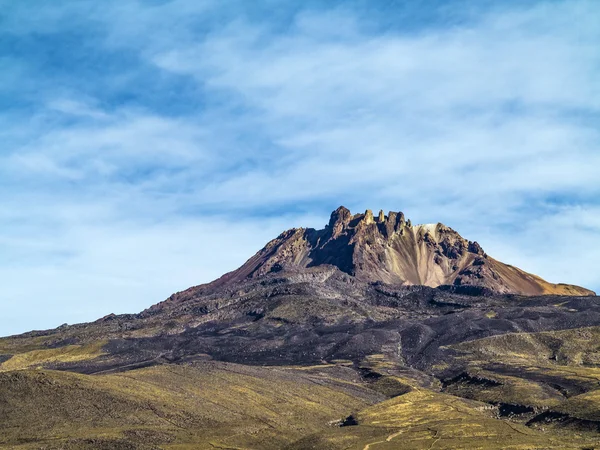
pixel 146 146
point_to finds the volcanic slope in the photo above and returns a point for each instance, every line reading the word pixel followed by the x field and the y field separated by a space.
pixel 391 250
pixel 305 355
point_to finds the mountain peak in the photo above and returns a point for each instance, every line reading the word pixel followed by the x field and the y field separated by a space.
pixel 389 249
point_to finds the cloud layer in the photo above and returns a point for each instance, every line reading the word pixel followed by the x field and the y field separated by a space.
pixel 148 146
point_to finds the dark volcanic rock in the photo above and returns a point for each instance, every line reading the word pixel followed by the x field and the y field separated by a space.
pixel 316 315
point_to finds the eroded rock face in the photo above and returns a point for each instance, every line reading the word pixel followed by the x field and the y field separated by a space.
pixel 388 248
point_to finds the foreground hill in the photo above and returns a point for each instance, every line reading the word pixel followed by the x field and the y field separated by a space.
pixel 201 405
pixel 217 405
pixel 293 351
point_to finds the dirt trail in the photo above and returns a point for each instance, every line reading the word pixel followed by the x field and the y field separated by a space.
pixel 388 439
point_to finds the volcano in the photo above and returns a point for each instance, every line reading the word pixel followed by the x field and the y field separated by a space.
pixel 391 250
pixel 369 333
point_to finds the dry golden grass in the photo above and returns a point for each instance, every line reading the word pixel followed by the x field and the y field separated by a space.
pixel 37 358
pixel 211 405
pixel 422 419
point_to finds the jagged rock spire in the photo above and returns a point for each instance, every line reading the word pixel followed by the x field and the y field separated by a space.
pixel 342 214
pixel 340 218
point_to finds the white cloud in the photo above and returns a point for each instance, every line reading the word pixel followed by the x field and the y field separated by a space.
pixel 495 99
pixel 76 108
pixel 108 144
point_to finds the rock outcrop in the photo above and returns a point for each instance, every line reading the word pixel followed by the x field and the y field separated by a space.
pixel 390 249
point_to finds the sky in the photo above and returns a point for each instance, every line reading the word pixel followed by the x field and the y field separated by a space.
pixel 150 145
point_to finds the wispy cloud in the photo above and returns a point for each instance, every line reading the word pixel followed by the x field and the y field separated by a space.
pixel 148 146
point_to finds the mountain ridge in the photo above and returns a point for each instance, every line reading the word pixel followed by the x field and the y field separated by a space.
pixel 390 249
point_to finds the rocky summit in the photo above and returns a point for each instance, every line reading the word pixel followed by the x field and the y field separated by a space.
pixel 371 333
pixel 388 248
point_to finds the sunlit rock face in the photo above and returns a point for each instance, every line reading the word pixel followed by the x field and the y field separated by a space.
pixel 388 248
